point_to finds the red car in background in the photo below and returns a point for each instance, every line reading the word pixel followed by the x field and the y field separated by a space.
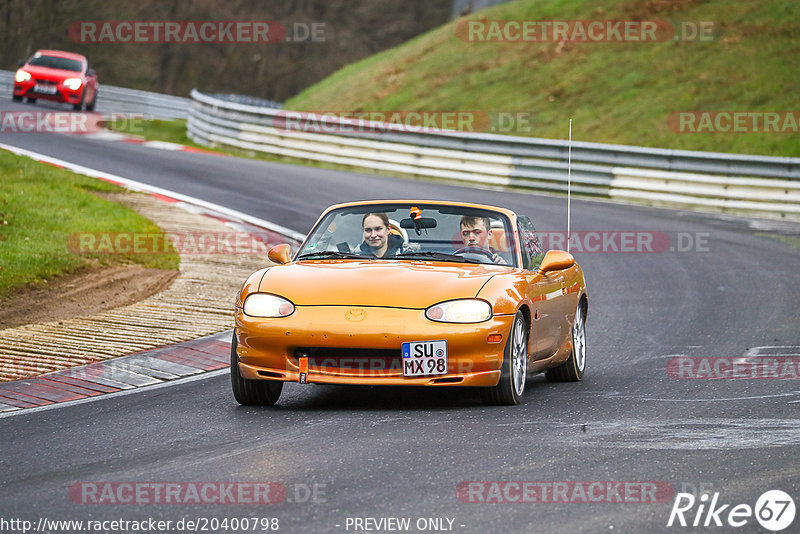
pixel 57 76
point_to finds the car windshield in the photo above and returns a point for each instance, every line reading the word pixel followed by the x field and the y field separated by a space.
pixel 54 62
pixel 409 232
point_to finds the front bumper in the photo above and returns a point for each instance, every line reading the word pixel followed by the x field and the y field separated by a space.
pixel 367 345
pixel 62 94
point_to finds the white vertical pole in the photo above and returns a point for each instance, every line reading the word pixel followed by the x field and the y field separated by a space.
pixel 569 182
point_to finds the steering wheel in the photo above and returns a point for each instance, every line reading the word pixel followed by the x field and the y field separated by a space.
pixel 476 250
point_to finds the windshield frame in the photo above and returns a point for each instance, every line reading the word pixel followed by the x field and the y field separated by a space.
pixel 506 216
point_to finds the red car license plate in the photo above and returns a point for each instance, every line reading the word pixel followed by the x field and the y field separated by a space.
pixel 44 89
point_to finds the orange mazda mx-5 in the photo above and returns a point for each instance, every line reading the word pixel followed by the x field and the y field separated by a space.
pixel 399 292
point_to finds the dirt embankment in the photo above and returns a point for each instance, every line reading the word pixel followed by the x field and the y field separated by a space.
pixel 86 292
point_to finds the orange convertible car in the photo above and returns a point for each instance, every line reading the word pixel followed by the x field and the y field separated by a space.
pixel 400 292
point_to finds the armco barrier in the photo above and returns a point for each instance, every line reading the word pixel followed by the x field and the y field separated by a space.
pixel 111 99
pixel 757 185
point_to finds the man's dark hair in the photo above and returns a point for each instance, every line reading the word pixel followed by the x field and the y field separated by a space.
pixel 468 220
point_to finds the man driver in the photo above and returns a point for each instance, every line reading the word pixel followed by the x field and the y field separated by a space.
pixel 476 232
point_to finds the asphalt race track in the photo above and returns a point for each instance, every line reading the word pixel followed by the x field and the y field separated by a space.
pixel 348 453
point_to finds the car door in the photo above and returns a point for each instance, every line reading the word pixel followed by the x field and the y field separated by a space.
pixel 545 292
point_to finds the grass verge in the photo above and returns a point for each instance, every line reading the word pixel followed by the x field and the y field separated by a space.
pixel 42 206
pixel 171 131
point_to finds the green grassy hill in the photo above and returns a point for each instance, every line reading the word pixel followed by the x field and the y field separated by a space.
pixel 616 92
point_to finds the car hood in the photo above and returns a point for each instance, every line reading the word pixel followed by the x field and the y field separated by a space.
pixel 401 284
pixel 46 73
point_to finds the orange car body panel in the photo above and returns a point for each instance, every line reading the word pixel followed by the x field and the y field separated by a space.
pixel 377 282
pixel 266 346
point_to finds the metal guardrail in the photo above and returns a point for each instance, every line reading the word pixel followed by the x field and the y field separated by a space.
pixel 112 99
pixel 246 99
pixel 757 185
pixel 730 182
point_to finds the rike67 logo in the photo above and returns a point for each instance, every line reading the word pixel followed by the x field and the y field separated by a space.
pixel 774 510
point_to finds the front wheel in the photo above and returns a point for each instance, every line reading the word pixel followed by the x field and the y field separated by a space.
pixel 16 98
pixel 572 369
pixel 252 392
pixel 514 371
pixel 79 106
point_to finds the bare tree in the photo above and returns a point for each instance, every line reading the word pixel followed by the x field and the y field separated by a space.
pixel 353 29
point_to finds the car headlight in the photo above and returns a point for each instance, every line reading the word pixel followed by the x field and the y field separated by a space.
pixel 22 76
pixel 72 83
pixel 460 311
pixel 266 305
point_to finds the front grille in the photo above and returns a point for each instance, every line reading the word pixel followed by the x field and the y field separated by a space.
pixel 322 358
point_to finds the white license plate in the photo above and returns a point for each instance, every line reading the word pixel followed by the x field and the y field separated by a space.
pixel 45 89
pixel 422 358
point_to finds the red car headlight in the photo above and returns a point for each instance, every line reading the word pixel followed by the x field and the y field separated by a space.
pixel 72 83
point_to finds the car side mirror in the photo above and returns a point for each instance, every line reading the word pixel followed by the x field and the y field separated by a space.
pixel 556 260
pixel 280 254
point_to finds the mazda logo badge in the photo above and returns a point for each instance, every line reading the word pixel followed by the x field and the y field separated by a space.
pixel 355 315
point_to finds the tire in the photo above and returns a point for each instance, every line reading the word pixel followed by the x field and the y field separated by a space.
pixel 31 100
pixel 572 369
pixel 514 371
pixel 16 98
pixel 252 392
pixel 79 106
